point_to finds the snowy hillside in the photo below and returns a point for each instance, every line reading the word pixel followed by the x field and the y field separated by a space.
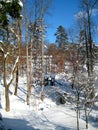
pixel 46 115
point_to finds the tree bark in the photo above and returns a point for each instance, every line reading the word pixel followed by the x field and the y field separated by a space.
pixel 78 111
pixel 42 26
pixel 86 116
pixel 16 87
pixel 27 61
pixel 18 65
pixel 77 119
pixel 7 85
pixel 7 102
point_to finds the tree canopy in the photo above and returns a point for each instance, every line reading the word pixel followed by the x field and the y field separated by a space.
pixel 9 8
pixel 61 37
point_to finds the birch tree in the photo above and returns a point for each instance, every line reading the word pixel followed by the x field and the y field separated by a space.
pixel 13 9
pixel 18 36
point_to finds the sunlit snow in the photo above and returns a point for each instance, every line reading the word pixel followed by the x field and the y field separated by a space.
pixel 46 115
pixel 20 3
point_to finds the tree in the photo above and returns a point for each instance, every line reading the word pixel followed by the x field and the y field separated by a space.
pixel 61 37
pixel 51 50
pixel 87 8
pixel 74 60
pixel 72 34
pixel 13 10
pixel 34 37
pixel 87 52
pixel 86 38
pixel 27 55
pixel 18 33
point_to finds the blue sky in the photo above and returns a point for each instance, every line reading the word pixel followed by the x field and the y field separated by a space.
pixel 62 13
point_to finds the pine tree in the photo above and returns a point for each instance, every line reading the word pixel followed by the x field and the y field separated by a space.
pixel 61 37
pixel 9 9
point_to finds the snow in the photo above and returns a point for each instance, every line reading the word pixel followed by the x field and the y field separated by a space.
pixel 16 62
pixel 8 1
pixel 1 49
pixel 5 55
pixel 1 41
pixel 20 3
pixel 41 115
pixel 45 46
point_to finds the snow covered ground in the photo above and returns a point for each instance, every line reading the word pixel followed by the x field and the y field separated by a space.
pixel 46 115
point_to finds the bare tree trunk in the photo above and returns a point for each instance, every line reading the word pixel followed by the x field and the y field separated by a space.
pixel 78 112
pixel 7 85
pixel 87 53
pixel 17 75
pixel 27 61
pixel 90 39
pixel 77 119
pixel 28 83
pixel 7 101
pixel 31 76
pixel 42 90
pixel 86 116
pixel 42 25
pixel 18 66
pixel 31 66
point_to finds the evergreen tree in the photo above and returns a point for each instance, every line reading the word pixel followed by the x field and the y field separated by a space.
pixel 61 37
pixel 11 8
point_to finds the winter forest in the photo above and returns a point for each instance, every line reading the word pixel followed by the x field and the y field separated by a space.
pixel 43 85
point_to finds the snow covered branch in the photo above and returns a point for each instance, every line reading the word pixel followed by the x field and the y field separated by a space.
pixel 1 49
pixel 1 42
pixel 13 70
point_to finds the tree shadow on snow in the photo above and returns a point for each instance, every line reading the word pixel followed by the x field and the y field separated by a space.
pixel 0 105
pixel 23 90
pixel 17 124
pixel 63 128
pixel 96 108
pixel 93 120
pixel 0 102
pixel 55 125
